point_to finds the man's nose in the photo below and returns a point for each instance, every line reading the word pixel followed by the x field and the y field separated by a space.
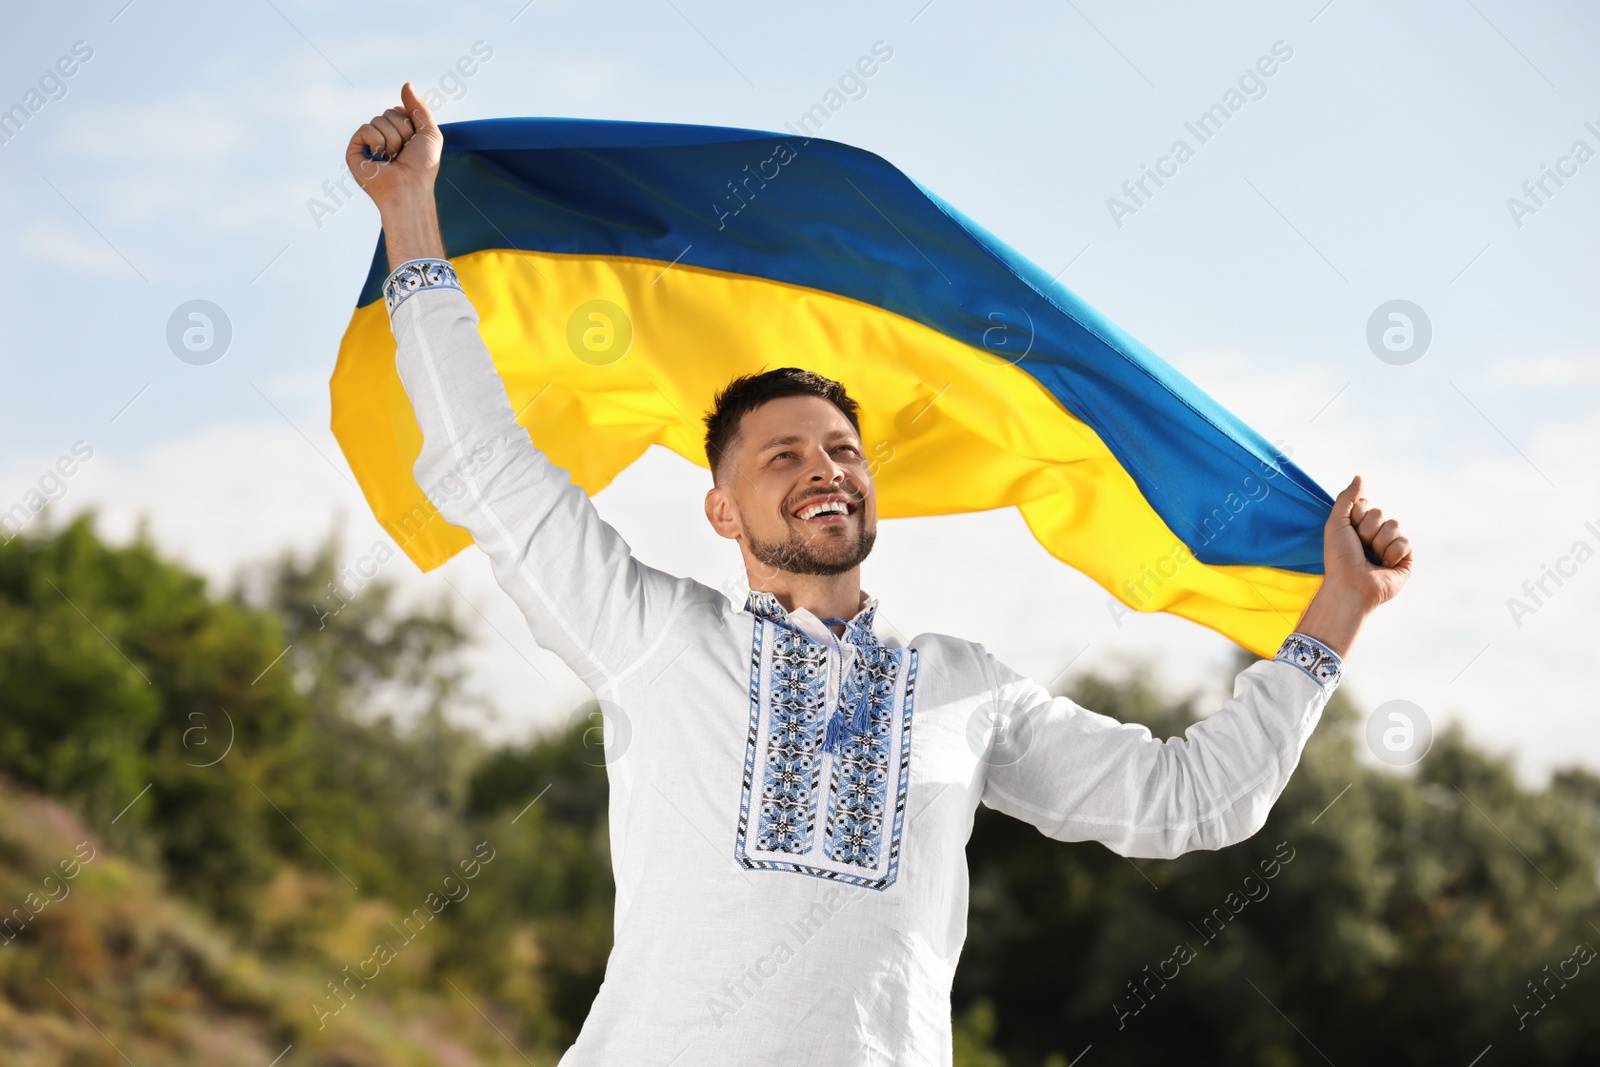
pixel 824 469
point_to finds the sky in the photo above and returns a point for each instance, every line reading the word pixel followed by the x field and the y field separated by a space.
pixel 1394 153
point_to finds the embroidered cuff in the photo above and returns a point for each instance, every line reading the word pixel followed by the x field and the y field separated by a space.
pixel 1313 657
pixel 415 275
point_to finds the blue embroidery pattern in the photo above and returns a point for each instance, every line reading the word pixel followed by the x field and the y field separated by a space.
pixel 415 275
pixel 860 786
pixel 1313 657
pixel 789 712
pixel 788 790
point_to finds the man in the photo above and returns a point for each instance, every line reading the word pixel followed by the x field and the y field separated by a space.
pixel 789 820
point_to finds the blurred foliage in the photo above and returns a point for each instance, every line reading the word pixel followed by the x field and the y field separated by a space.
pixel 114 970
pixel 1410 918
pixel 276 766
pixel 272 782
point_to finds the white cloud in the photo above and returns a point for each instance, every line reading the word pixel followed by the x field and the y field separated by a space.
pixel 50 240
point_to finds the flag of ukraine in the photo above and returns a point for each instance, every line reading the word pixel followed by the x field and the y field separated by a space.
pixel 625 271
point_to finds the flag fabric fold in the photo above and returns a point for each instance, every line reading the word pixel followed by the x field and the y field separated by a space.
pixel 625 271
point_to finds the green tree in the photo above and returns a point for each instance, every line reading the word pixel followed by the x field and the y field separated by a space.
pixel 224 735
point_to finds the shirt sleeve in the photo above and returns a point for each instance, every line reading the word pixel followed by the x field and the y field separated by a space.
pixel 583 594
pixel 1081 776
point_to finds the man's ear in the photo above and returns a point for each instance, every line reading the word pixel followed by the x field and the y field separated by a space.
pixel 722 513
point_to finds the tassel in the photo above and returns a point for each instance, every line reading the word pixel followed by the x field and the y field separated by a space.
pixel 860 719
pixel 835 732
pixel 863 717
pixel 860 722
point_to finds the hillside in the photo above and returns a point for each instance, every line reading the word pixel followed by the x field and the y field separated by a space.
pixel 111 969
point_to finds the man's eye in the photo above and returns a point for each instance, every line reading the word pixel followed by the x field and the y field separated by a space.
pixel 780 455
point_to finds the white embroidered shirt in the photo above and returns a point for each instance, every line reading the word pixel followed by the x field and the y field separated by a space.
pixel 780 899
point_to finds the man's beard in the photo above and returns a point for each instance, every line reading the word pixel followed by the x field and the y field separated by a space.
pixel 799 555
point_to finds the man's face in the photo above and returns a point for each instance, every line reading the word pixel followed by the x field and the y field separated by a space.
pixel 797 493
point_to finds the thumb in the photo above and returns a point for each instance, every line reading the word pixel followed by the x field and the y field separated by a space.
pixel 421 115
pixel 1342 513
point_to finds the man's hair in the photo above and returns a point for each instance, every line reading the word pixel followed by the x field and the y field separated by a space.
pixel 746 393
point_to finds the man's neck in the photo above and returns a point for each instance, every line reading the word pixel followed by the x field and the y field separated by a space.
pixel 826 596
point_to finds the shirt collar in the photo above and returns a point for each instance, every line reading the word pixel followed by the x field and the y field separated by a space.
pixel 858 631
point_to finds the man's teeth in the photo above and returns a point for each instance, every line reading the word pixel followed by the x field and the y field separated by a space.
pixel 833 507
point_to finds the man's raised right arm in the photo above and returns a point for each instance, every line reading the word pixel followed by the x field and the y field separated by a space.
pixel 584 595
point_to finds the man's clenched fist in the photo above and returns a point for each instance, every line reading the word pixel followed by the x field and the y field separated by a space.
pixel 1352 585
pixel 406 143
pixel 395 159
pixel 1355 525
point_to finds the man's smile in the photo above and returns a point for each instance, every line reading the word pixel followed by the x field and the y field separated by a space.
pixel 831 509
